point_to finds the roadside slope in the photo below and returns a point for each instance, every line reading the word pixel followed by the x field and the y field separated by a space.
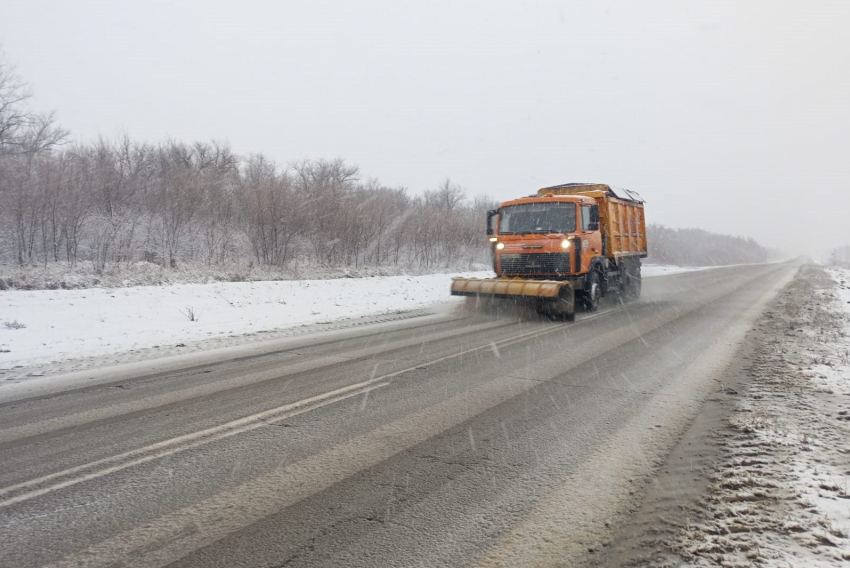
pixel 760 478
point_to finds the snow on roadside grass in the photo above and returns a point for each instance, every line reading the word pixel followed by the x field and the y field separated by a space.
pixel 66 324
pixel 779 493
pixel 830 370
pixel 819 472
pixel 61 275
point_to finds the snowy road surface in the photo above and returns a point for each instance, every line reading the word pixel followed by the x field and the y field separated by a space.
pixel 457 439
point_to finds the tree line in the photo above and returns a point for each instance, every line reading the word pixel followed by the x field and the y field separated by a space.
pixel 174 203
pixel 120 201
pixel 696 247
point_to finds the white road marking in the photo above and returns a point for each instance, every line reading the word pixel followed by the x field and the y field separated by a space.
pixel 185 442
pixel 104 412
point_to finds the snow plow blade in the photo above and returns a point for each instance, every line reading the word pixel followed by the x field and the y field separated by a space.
pixel 551 296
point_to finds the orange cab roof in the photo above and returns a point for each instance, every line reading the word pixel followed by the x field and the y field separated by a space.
pixel 547 197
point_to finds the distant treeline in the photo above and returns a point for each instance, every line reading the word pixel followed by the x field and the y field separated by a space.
pixel 696 247
pixel 172 204
pixel 110 204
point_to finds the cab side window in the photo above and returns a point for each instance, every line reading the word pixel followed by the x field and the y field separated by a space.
pixel 585 217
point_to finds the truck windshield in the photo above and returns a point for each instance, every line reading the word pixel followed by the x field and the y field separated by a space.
pixel 537 218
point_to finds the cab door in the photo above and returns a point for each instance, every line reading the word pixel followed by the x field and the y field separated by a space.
pixel 591 236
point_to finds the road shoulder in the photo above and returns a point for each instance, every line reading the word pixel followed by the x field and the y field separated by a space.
pixel 760 477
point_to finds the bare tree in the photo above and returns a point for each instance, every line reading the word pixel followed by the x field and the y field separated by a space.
pixel 15 116
pixel 273 210
pixel 447 196
pixel 25 137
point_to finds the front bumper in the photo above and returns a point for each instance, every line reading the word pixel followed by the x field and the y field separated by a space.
pixel 559 293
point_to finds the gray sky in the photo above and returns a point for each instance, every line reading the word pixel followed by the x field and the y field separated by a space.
pixel 730 116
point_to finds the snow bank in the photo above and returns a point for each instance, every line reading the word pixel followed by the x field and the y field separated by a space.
pixel 842 288
pixel 66 324
pixel 831 371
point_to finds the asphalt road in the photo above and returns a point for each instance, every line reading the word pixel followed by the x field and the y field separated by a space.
pixel 455 439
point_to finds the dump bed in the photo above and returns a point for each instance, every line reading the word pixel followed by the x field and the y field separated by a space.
pixel 621 216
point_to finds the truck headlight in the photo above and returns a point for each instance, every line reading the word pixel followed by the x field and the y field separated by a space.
pixel 493 239
pixel 565 244
pixel 500 246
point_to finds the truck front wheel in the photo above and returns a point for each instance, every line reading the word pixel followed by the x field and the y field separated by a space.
pixel 592 294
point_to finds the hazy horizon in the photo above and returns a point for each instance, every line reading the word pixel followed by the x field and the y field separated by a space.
pixel 732 118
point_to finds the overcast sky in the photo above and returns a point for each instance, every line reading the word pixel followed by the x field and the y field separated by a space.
pixel 730 116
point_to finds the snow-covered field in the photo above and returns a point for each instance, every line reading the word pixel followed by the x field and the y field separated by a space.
pixel 65 324
pixel 43 326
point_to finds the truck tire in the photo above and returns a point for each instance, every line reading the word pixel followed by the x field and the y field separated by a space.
pixel 561 310
pixel 592 295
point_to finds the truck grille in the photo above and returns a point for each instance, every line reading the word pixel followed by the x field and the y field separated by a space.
pixel 536 263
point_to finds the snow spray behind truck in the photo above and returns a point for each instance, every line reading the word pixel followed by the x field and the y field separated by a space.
pixel 575 242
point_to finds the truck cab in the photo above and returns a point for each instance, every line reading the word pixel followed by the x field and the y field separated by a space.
pixel 545 236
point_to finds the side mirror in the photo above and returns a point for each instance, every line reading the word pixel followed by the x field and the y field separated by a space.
pixel 490 214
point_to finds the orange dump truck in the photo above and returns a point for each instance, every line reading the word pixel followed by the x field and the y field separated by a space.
pixel 568 243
